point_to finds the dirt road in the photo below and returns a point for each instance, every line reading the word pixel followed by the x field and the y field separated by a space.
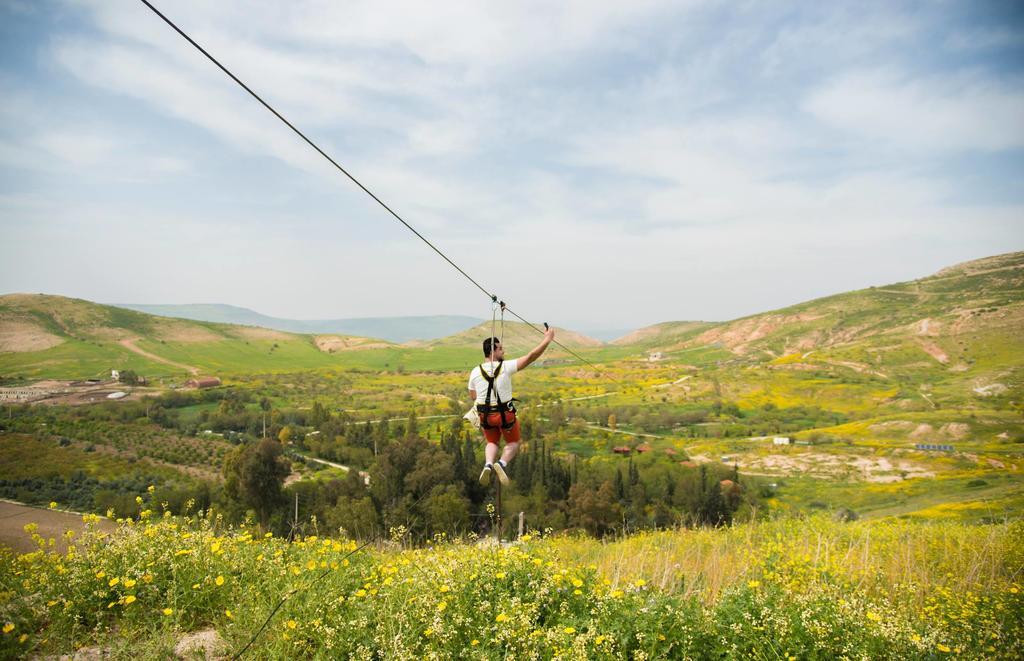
pixel 51 523
pixel 130 346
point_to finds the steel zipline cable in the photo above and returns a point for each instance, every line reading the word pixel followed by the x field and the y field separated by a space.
pixel 345 172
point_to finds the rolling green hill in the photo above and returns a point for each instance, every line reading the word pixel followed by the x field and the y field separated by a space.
pixel 960 329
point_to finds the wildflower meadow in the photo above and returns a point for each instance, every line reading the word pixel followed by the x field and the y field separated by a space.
pixel 785 589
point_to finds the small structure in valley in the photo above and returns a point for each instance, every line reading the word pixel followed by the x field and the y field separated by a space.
pixel 203 382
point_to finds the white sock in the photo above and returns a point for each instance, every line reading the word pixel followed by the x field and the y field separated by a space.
pixel 502 462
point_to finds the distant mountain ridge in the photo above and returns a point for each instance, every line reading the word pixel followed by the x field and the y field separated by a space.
pixel 392 329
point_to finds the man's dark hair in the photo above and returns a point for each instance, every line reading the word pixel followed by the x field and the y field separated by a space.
pixel 488 343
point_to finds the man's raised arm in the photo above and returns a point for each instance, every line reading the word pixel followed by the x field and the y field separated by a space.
pixel 527 360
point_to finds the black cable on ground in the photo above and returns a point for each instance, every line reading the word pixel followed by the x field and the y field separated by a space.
pixel 288 595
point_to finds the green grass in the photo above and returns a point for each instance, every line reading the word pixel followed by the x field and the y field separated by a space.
pixel 78 359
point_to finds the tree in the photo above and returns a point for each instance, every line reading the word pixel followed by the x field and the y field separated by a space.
pixel 128 376
pixel 318 415
pixel 447 510
pixel 356 516
pixel 597 512
pixel 285 435
pixel 254 475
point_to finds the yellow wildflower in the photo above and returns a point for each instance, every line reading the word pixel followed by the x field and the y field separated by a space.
pixel 501 618
pixel 640 583
pixel 577 582
pixel 129 582
pixel 443 588
pixel 292 624
pixel 500 575
pixel 873 616
pixel 53 504
pixel 229 615
pixel 114 581
pixel 219 580
pixel 474 642
pixel 130 599
pixel 753 584
pixel 168 611
pixel 22 638
pixel 9 627
pixel 943 648
pixel 443 605
pixel 600 639
pixel 570 630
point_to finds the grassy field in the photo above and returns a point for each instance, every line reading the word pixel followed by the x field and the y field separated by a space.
pixel 779 589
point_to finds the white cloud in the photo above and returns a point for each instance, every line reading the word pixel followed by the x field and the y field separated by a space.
pixel 77 149
pixel 620 163
pixel 950 111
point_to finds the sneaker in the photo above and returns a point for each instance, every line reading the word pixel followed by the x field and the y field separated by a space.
pixel 501 474
pixel 485 476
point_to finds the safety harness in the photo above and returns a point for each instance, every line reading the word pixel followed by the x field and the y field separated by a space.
pixel 499 407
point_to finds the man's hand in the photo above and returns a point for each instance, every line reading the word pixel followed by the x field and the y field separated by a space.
pixel 527 360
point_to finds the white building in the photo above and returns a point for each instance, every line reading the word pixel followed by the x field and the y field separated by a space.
pixel 655 356
pixel 780 440
pixel 115 375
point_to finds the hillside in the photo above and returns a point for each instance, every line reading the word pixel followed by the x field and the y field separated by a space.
pixel 392 329
pixel 54 336
pixel 965 322
pixel 44 336
pixel 982 296
pixel 517 337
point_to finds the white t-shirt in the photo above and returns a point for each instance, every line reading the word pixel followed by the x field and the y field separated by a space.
pixel 503 383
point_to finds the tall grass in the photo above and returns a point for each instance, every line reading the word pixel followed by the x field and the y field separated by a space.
pixel 783 589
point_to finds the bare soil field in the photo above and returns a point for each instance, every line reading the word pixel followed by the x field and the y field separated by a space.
pixel 332 343
pixel 17 336
pixel 52 523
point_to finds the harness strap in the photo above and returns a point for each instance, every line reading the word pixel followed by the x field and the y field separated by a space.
pixel 499 407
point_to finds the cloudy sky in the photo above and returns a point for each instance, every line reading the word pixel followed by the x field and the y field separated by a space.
pixel 596 164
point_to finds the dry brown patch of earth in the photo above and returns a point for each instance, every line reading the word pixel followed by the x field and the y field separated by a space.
pixel 333 343
pixel 934 351
pixel 18 336
pixel 821 465
pixel 51 523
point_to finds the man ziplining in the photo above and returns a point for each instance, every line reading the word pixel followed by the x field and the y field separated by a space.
pixel 490 385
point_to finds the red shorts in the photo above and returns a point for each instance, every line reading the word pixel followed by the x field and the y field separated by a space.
pixel 495 432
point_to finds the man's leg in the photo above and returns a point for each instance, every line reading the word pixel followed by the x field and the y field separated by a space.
pixel 509 453
pixel 511 436
pixel 491 453
pixel 491 437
